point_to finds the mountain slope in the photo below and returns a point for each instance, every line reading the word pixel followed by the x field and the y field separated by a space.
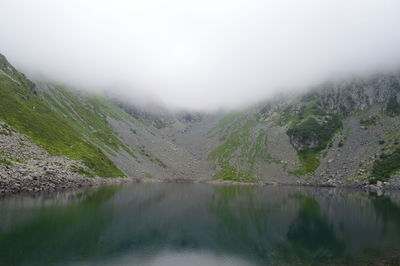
pixel 251 149
pixel 346 131
pixel 335 133
pixel 22 108
pixel 90 128
pixel 133 146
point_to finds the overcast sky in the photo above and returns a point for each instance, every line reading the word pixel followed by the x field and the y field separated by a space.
pixel 199 54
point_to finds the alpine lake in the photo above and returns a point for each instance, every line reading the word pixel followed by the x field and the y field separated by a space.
pixel 201 224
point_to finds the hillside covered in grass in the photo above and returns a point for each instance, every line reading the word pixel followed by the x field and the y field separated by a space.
pixel 87 113
pixel 23 108
pixel 91 128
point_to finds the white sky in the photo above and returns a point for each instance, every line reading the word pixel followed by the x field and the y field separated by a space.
pixel 196 54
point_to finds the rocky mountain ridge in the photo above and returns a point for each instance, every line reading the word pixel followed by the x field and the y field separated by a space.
pixel 335 133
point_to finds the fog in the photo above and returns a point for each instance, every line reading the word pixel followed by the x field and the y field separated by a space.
pixel 199 55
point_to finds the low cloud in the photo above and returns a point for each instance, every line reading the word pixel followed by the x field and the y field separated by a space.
pixel 199 55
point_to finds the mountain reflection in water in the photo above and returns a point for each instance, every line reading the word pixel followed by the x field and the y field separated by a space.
pixel 182 224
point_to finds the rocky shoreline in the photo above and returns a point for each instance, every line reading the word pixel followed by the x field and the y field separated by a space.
pixel 378 188
pixel 48 185
pixel 45 184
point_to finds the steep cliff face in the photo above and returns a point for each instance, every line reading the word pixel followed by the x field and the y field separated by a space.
pixel 318 114
pixel 357 94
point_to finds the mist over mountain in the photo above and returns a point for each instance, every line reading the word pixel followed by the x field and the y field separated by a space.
pixel 251 132
pixel 309 177
pixel 202 55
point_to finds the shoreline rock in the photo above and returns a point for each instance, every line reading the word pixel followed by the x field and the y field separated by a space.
pixel 49 185
pixel 27 168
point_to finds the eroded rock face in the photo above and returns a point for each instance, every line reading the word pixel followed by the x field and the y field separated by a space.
pixel 330 102
pixel 358 94
pixel 300 143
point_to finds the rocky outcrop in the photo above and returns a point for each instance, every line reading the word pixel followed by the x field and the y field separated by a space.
pixel 357 94
pixel 300 143
pixel 25 167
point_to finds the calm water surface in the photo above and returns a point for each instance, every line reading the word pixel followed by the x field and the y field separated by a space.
pixel 192 224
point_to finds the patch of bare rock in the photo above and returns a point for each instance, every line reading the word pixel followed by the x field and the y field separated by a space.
pixel 25 167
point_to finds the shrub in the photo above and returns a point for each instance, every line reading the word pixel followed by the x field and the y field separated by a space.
pixel 369 121
pixel 311 129
pixel 392 107
pixel 387 165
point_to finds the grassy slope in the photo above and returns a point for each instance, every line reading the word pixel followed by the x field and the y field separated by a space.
pixel 22 108
pixel 87 113
pixel 240 147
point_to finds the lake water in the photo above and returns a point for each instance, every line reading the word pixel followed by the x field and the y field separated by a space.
pixel 196 224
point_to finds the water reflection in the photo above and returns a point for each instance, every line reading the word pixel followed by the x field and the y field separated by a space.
pixel 171 224
pixel 311 238
pixel 52 233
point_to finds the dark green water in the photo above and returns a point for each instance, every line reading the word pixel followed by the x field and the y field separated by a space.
pixel 173 224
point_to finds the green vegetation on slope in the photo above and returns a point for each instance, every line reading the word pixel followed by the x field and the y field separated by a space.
pixel 311 128
pixel 151 157
pixel 297 112
pixel 387 165
pixel 15 75
pixel 88 114
pixel 309 159
pixel 312 131
pixel 24 110
pixel 369 121
pixel 242 145
pixel 228 172
pixel 226 123
pixel 392 107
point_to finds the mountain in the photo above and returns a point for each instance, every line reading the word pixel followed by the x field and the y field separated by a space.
pixel 338 132
pixel 85 127
pixel 335 133
pixel 22 107
pixel 133 146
